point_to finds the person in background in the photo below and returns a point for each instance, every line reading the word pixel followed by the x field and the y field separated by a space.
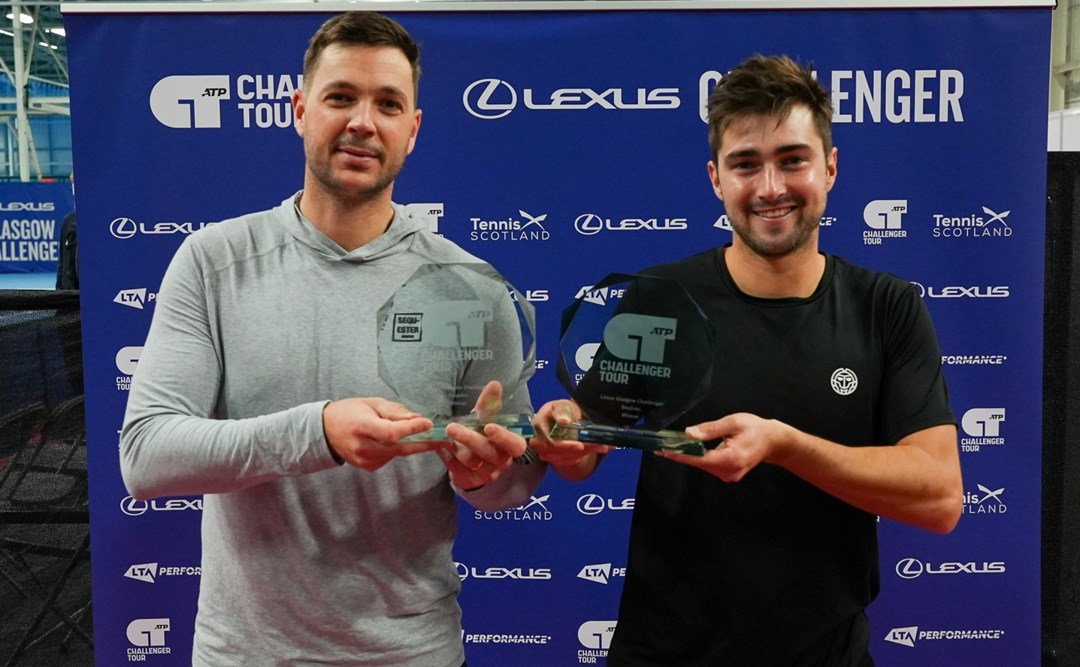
pixel 67 271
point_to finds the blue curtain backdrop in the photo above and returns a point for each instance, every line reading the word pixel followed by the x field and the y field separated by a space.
pixel 561 146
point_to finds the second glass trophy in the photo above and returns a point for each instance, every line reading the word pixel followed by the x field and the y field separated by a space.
pixel 446 333
pixel 636 352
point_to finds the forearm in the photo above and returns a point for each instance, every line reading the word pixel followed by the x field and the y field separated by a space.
pixel 166 454
pixel 917 481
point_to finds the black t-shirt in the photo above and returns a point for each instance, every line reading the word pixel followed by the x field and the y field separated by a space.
pixel 770 570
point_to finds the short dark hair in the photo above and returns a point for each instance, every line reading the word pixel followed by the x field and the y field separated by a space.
pixel 768 85
pixel 363 29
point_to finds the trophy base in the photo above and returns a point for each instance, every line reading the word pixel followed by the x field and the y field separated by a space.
pixel 520 424
pixel 652 441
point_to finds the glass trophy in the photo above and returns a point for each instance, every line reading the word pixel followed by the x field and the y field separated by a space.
pixel 636 353
pixel 446 333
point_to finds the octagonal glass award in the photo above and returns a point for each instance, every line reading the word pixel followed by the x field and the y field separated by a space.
pixel 446 333
pixel 636 353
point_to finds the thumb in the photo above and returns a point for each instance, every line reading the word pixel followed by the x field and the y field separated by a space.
pixel 489 402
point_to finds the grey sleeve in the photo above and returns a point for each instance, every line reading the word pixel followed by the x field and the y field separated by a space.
pixel 170 443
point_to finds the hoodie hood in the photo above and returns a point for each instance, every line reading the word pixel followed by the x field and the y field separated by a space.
pixel 397 237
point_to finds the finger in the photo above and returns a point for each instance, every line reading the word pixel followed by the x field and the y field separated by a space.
pixel 477 443
pixel 385 430
pixel 706 431
pixel 505 440
pixel 564 412
pixel 598 449
pixel 694 461
pixel 420 446
pixel 457 469
pixel 391 409
pixel 489 402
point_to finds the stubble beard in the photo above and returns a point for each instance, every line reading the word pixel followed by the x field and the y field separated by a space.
pixel 323 173
pixel 797 239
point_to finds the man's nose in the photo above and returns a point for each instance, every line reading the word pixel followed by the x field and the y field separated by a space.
pixel 363 119
pixel 771 184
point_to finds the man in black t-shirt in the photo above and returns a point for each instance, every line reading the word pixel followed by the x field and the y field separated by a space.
pixel 829 401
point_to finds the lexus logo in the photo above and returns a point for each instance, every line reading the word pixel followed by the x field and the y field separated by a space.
pixel 123 228
pixel 590 504
pixel 133 507
pixel 909 568
pixel 588 224
pixel 462 571
pixel 478 101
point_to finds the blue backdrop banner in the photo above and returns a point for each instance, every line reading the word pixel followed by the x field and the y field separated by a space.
pixel 30 218
pixel 563 146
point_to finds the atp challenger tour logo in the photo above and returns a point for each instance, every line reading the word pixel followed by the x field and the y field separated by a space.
pixel 429 214
pixel 638 340
pixel 198 101
pixel 982 426
pixel 884 217
pixel 147 636
pixel 595 639
pixel 189 101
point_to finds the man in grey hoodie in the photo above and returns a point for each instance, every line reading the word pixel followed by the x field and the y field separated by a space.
pixel 326 540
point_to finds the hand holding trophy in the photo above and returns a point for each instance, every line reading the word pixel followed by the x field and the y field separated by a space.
pixel 636 352
pixel 447 332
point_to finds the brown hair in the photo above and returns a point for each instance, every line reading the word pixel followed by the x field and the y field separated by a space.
pixel 363 29
pixel 768 85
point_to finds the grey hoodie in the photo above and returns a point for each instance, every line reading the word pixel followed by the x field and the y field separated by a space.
pixel 260 321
